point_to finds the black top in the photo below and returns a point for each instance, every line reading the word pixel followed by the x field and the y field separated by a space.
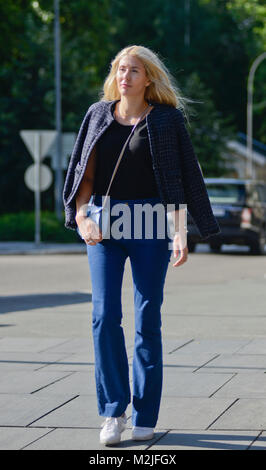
pixel 134 178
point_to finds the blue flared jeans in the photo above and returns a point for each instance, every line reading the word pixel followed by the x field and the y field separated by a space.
pixel 149 259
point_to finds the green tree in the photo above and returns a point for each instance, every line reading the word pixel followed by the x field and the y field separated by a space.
pixel 250 17
pixel 225 38
pixel 27 100
pixel 208 129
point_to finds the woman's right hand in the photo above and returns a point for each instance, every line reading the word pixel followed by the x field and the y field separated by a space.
pixel 89 230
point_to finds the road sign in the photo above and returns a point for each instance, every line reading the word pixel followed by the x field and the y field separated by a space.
pixel 46 177
pixel 68 141
pixel 38 142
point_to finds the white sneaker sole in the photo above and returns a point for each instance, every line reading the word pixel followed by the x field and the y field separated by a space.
pixel 108 442
pixel 142 438
pixel 111 442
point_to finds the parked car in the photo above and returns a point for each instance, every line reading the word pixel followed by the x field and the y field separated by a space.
pixel 240 209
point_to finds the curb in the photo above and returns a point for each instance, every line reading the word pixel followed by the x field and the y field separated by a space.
pixel 30 248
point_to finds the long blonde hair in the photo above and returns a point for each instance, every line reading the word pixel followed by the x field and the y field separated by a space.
pixel 163 87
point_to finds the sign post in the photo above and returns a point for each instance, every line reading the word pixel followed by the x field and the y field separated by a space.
pixel 37 142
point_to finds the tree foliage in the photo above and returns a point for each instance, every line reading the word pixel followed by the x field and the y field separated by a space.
pixel 209 50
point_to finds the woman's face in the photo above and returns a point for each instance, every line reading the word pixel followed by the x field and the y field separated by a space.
pixel 131 77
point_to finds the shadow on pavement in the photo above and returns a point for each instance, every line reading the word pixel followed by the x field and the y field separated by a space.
pixel 207 440
pixel 16 303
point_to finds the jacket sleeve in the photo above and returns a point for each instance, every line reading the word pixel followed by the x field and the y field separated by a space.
pixel 197 199
pixel 70 208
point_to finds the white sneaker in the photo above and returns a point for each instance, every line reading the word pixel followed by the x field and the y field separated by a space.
pixel 112 429
pixel 140 433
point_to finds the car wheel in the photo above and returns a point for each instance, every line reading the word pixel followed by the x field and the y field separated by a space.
pixel 257 247
pixel 215 247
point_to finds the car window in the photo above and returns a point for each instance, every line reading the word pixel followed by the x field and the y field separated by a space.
pixel 226 193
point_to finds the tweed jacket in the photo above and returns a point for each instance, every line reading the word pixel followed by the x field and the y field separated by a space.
pixel 177 172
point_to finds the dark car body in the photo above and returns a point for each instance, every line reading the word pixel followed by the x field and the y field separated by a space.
pixel 239 206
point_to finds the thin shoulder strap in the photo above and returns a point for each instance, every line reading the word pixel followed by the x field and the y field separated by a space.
pixel 121 155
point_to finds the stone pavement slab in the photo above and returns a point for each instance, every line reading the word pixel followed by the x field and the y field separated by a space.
pixel 86 439
pixel 73 363
pixel 75 383
pixel 255 346
pixel 216 346
pixel 190 413
pixel 28 360
pixel 236 363
pixel 187 362
pixel 244 386
pixel 171 345
pixel 81 412
pixel 25 381
pixel 29 344
pixel 45 301
pixel 260 443
pixel 24 409
pixel 16 438
pixel 187 384
pixel 206 440
pixel 245 414
pixel 69 346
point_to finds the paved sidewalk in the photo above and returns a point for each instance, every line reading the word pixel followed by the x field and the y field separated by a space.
pixel 214 390
pixel 213 398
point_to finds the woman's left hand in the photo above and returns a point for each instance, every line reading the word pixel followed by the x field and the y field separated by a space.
pixel 179 246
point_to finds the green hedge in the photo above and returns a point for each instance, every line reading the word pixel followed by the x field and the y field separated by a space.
pixel 21 227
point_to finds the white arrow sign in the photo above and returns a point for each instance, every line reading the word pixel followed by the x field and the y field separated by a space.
pixel 38 142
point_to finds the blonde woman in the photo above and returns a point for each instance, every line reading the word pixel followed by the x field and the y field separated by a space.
pixel 158 167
